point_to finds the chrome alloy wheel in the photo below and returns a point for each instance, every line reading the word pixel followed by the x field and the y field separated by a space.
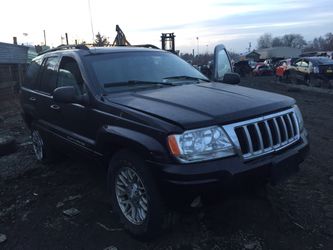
pixel 131 195
pixel 37 143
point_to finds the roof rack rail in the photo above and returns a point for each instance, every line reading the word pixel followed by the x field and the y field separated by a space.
pixel 146 46
pixel 64 47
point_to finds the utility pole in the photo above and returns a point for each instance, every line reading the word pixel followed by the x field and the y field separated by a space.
pixel 44 37
pixel 197 46
pixel 66 38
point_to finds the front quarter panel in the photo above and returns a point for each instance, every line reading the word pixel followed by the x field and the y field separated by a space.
pixel 113 138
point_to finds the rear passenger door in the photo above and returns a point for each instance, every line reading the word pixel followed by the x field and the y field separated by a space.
pixel 28 95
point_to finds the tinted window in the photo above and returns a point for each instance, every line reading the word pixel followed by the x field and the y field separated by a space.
pixel 324 60
pixel 49 75
pixel 70 75
pixel 139 66
pixel 32 73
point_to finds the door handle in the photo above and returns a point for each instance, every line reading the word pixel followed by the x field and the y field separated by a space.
pixel 55 107
pixel 33 99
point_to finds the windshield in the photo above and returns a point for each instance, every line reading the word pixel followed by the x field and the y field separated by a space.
pixel 141 67
pixel 324 60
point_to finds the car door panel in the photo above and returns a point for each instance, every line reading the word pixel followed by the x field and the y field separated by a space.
pixel 74 124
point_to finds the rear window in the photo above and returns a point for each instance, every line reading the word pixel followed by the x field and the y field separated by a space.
pixel 32 73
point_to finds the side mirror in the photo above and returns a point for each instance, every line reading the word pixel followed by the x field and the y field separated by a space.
pixel 68 94
pixel 65 94
pixel 231 78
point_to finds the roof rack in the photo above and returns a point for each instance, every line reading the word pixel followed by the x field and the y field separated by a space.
pixel 146 46
pixel 64 47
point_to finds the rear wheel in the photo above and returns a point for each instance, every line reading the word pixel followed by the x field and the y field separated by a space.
pixel 43 152
pixel 135 197
pixel 308 81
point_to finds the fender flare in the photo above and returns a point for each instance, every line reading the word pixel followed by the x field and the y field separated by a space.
pixel 113 138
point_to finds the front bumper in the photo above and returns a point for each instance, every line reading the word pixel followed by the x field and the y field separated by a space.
pixel 231 171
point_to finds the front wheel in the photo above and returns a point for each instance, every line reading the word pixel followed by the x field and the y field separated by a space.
pixel 135 197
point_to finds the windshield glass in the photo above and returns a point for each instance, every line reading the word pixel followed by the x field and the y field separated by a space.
pixel 141 66
pixel 324 60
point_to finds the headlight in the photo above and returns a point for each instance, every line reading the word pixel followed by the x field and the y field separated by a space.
pixel 299 117
pixel 200 144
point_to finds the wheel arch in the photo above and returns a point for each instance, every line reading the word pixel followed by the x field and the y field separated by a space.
pixel 112 139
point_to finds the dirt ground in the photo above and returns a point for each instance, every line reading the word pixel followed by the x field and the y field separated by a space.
pixel 296 214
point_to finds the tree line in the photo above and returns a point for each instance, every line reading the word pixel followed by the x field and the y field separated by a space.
pixel 296 41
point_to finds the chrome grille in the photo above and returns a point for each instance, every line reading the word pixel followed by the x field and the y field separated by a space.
pixel 264 134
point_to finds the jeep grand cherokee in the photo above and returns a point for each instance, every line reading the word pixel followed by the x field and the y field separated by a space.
pixel 159 123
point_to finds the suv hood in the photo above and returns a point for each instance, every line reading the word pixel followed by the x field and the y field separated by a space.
pixel 198 105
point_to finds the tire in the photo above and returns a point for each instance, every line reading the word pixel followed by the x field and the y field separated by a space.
pixel 285 77
pixel 293 80
pixel 133 188
pixel 308 81
pixel 43 152
pixel 7 145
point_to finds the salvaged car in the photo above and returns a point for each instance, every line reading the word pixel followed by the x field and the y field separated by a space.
pixel 281 70
pixel 313 71
pixel 161 126
pixel 262 69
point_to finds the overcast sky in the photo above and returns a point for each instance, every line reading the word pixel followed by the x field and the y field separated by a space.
pixel 234 23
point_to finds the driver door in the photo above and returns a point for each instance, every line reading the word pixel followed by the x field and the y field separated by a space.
pixel 75 122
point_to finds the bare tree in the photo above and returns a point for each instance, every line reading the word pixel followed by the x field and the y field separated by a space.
pixel 277 42
pixel 265 41
pixel 294 41
pixel 329 41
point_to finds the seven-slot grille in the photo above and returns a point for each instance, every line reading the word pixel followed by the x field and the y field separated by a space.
pixel 266 134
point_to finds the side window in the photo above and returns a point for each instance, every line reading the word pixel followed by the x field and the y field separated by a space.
pixel 298 63
pixel 30 80
pixel 70 75
pixel 49 75
pixel 305 64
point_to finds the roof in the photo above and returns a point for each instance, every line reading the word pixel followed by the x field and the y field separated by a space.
pixel 13 54
pixel 279 52
pixel 84 50
pixel 101 50
pixel 319 59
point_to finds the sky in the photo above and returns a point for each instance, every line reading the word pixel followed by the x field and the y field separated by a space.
pixel 198 25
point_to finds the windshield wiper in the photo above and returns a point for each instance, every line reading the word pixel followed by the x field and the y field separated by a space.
pixel 186 78
pixel 135 82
